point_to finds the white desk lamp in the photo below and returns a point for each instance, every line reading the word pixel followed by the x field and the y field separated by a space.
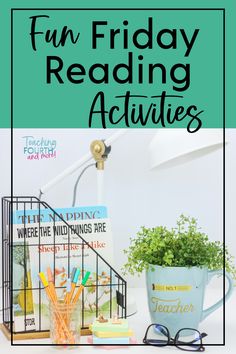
pixel 169 147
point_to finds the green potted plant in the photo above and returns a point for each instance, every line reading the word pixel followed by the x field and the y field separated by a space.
pixel 178 263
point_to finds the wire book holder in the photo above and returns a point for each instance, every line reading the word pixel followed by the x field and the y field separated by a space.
pixel 116 286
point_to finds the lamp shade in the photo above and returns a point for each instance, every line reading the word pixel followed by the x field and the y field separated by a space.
pixel 170 147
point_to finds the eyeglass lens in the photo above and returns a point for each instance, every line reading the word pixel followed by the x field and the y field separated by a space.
pixel 157 335
pixel 188 339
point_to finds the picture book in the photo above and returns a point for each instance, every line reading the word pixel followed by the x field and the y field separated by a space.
pixel 52 243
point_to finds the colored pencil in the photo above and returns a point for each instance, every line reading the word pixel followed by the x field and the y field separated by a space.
pixel 81 288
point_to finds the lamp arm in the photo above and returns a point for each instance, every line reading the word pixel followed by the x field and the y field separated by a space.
pixel 100 187
pixel 86 158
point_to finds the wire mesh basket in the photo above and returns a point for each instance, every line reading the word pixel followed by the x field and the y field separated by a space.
pixel 22 259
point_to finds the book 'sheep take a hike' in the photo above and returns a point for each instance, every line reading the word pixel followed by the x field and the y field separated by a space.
pixel 89 222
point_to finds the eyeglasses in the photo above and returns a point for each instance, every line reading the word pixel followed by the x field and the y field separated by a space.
pixel 187 339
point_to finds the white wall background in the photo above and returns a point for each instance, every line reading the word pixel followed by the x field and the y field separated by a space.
pixel 134 195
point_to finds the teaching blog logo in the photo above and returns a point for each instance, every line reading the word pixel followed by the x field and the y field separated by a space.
pixel 39 148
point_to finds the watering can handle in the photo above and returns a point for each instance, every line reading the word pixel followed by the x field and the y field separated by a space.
pixel 212 273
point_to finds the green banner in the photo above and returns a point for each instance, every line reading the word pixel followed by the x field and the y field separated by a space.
pixel 107 67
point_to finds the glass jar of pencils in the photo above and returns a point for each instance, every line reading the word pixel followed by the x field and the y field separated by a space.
pixel 65 323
